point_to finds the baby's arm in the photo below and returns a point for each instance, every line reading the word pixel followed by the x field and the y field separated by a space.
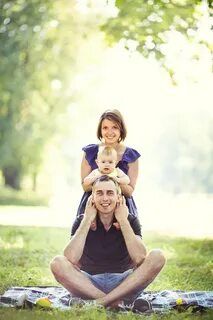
pixel 88 180
pixel 122 178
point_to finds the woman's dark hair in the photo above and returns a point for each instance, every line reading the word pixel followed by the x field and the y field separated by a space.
pixel 115 116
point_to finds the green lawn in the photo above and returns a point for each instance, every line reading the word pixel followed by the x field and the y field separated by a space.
pixel 25 253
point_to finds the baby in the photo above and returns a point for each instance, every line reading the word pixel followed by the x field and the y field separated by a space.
pixel 106 162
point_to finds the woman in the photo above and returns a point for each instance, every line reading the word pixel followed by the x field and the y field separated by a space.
pixel 111 132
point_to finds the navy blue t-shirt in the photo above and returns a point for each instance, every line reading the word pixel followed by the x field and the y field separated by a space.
pixel 106 251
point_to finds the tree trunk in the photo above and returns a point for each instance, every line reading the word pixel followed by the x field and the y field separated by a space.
pixel 34 178
pixel 12 177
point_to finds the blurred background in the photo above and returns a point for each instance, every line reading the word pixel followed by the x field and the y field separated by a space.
pixel 62 63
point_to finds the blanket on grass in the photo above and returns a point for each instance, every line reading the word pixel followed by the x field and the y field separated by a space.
pixel 59 297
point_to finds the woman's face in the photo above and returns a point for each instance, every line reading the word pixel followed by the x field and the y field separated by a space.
pixel 110 131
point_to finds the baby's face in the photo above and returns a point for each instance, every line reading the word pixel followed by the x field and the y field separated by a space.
pixel 106 164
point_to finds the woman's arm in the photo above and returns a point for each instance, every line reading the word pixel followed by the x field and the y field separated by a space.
pixel 127 189
pixel 85 171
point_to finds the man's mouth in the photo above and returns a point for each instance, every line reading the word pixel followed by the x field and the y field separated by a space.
pixel 105 205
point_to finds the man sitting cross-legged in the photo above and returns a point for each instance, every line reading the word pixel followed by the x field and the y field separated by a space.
pixel 107 264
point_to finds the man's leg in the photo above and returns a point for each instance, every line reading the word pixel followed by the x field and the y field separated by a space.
pixel 138 280
pixel 73 279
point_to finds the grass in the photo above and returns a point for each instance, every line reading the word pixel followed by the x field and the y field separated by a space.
pixel 25 253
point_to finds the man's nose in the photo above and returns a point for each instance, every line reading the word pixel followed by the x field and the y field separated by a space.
pixel 105 197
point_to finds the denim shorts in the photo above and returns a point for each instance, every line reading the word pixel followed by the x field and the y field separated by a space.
pixel 106 282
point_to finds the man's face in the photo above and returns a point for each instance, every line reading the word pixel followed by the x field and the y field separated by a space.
pixel 105 196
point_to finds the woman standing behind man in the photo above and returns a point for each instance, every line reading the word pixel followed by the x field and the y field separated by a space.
pixel 111 132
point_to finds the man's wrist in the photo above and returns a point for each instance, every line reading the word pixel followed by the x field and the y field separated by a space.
pixel 123 221
pixel 87 219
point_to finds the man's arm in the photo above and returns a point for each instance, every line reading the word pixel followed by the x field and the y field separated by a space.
pixel 74 250
pixel 134 244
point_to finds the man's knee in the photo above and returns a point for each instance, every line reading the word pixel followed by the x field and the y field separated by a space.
pixel 157 258
pixel 57 263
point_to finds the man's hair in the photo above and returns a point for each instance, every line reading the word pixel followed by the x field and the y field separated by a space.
pixel 107 178
pixel 115 116
pixel 106 150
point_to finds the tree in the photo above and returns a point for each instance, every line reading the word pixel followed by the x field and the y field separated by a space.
pixel 144 25
pixel 39 44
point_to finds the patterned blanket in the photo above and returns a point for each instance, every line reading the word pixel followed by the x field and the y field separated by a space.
pixel 59 297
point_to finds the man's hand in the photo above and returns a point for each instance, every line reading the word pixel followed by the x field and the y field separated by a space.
pixel 90 210
pixel 121 211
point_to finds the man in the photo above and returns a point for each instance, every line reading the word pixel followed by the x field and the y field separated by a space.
pixel 110 263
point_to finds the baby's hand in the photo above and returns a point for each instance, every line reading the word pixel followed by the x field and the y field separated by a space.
pixel 98 174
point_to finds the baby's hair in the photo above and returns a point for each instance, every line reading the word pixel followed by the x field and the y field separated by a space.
pixel 106 150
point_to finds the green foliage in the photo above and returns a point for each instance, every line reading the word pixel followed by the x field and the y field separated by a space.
pixel 146 22
pixel 24 260
pixel 23 115
pixel 39 42
pixel 11 197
